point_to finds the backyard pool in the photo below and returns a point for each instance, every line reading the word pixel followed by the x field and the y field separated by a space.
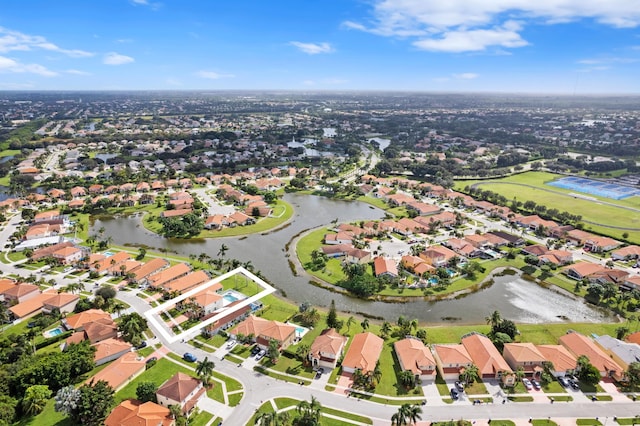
pixel 108 253
pixel 231 296
pixel 53 333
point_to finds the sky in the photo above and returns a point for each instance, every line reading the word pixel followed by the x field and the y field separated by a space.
pixel 522 46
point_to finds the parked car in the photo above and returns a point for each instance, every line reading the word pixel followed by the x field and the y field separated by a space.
pixel 574 384
pixel 231 344
pixel 536 384
pixel 142 345
pixel 527 383
pixel 189 357
pixel 564 382
pixel 319 373
pixel 152 359
pixel 459 386
pixel 454 394
pixel 261 354
pixel 255 350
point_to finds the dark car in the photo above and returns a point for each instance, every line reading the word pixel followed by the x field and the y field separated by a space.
pixel 152 359
pixel 142 345
pixel 319 373
pixel 574 384
pixel 189 357
pixel 454 394
pixel 564 382
pixel 536 384
pixel 255 350
pixel 459 386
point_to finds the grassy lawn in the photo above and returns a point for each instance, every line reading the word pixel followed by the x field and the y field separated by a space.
pixel 216 392
pixel 234 399
pixel 595 212
pixel 201 419
pixel 291 365
pixel 230 383
pixel 629 421
pixel 241 351
pixel 275 375
pixel 282 209
pixel 283 403
pixel 158 374
pixel 48 417
pixel 543 422
pixel 563 398
pixel 277 309
pixel 553 387
pixel 477 388
pixel 15 256
pixel 588 422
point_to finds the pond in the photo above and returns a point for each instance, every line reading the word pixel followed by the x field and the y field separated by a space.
pixel 516 299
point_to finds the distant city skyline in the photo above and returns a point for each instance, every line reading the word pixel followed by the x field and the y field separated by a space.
pixel 542 46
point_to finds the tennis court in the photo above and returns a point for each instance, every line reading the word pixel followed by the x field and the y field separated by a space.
pixel 595 187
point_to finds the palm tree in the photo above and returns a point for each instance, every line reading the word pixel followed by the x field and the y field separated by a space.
pixel 365 324
pixel 407 378
pixel 205 370
pixel 413 413
pixel 309 412
pixel 223 250
pixel 272 419
pixel 494 319
pixel 470 374
pixel 350 321
pixel 385 329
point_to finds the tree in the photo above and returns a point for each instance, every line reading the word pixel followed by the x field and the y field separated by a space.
pixel 95 403
pixel 587 372
pixel 223 250
pixel 332 316
pixel 66 400
pixel 407 378
pixel 146 391
pixel 494 319
pixel 385 329
pixel 132 327
pixel 365 324
pixel 35 398
pixel 622 332
pixel 633 375
pixel 406 414
pixel 205 370
pixel 273 351
pixel 106 291
pixel 470 374
pixel 350 322
pixel 309 412
pixel 272 419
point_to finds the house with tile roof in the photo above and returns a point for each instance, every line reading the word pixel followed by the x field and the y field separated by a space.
pixel 62 302
pixel 451 360
pixel 526 356
pixel 384 266
pixel 263 331
pixel 491 364
pixel 186 282
pixel 77 321
pixel 581 270
pixel 623 353
pixel 626 253
pixel 414 356
pixel 438 255
pixel 69 255
pixel 327 349
pixel 103 265
pixel 121 371
pixel 30 307
pixel 19 293
pixel 132 412
pixel 110 349
pixel 363 353
pixel 561 360
pixel 181 389
pixel 599 244
pixel 162 277
pixel 579 345
pixel 208 300
pixel 142 272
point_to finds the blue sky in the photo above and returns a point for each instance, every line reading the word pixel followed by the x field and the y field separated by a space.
pixel 535 46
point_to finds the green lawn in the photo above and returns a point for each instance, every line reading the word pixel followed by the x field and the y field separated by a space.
pixel 511 188
pixel 158 374
pixel 291 365
pixel 48 417
pixel 201 419
pixel 283 209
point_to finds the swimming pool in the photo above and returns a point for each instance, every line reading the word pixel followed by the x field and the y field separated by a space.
pixel 53 333
pixel 108 253
pixel 231 296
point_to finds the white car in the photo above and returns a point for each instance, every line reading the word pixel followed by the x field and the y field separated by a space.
pixel 527 383
pixel 231 344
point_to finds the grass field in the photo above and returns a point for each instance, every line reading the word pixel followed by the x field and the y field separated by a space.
pixel 281 209
pixel 511 187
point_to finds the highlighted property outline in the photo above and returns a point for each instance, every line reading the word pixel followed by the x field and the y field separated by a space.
pixel 154 318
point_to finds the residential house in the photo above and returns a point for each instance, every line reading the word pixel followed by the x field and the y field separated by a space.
pixel 623 353
pixel 561 360
pixel 208 300
pixel 580 344
pixel 438 256
pixel 354 255
pixel 182 390
pixel 451 360
pixel 363 353
pixel 102 266
pixel 327 349
pixel 186 282
pixel 626 253
pixel 61 302
pixel 142 272
pixel 121 371
pixel 110 349
pixel 162 277
pixel 599 244
pixel 490 363
pixel 525 356
pixel 69 255
pixel 582 270
pixel 51 216
pixel 383 266
pixel 414 356
pixel 132 412
pixel 263 331
pixel 77 321
pixel 20 293
pixel 175 213
pixel 29 308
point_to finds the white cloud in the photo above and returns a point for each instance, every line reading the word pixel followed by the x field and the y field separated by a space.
pixel 16 41
pixel 113 58
pixel 312 48
pixel 452 24
pixel 77 72
pixel 466 76
pixel 474 40
pixel 13 66
pixel 212 75
pixel 143 2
